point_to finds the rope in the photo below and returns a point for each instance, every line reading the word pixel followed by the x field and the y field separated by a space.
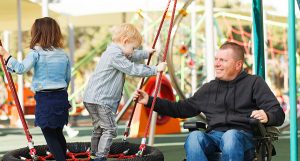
pixel 126 133
pixel 20 111
pixel 271 50
pixel 246 36
pixel 157 85
pixel 243 37
pixel 83 156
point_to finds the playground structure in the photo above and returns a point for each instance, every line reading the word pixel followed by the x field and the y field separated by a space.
pixel 35 155
pixel 230 26
pixel 183 60
pixel 180 49
pixel 180 62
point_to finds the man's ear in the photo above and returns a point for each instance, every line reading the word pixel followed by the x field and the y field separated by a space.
pixel 239 64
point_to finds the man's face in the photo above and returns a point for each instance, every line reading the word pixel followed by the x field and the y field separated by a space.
pixel 227 67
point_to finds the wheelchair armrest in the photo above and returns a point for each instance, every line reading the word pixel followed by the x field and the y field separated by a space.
pixel 260 130
pixel 194 125
pixel 264 137
pixel 272 130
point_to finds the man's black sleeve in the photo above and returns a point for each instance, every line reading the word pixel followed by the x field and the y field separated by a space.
pixel 182 109
pixel 266 100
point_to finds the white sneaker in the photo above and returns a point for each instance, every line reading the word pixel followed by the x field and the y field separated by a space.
pixel 3 117
pixel 71 132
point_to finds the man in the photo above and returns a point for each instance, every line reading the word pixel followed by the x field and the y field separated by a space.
pixel 228 102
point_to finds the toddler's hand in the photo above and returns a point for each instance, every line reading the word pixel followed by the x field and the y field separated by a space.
pixel 2 51
pixel 150 51
pixel 161 66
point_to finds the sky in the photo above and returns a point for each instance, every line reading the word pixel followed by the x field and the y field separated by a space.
pixel 80 7
pixel 281 6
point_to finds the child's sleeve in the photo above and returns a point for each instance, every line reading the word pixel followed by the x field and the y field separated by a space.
pixel 22 67
pixel 68 73
pixel 124 65
pixel 139 55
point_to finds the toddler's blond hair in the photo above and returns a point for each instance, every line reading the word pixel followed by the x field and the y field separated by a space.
pixel 126 30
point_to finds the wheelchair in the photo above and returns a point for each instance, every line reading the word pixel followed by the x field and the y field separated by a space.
pixel 263 137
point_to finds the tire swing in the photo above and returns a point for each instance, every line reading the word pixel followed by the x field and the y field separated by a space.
pixel 79 151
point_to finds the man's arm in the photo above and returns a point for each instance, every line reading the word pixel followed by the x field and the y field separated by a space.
pixel 267 101
pixel 182 109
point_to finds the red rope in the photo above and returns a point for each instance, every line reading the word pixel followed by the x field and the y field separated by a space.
pixel 271 49
pixel 229 31
pixel 284 42
pixel 83 156
pixel 246 35
pixel 157 84
pixel 121 156
pixel 20 111
pixel 126 133
pixel 243 34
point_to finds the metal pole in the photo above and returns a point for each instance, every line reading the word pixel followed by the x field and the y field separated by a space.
pixel 152 129
pixel 72 49
pixel 292 81
pixel 6 36
pixel 146 34
pixel 193 46
pixel 265 36
pixel 125 107
pixel 209 33
pixel 182 61
pixel 20 56
pixel 45 12
pixel 258 38
pixel 153 121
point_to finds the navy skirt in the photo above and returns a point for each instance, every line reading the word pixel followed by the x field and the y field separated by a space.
pixel 51 109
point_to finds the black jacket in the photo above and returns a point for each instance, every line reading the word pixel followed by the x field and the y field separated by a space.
pixel 226 104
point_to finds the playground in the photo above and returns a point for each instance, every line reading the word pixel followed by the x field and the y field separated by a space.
pixel 186 35
pixel 171 145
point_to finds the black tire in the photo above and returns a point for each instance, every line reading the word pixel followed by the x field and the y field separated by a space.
pixel 150 153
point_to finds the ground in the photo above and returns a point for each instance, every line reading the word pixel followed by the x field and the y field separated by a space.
pixel 170 145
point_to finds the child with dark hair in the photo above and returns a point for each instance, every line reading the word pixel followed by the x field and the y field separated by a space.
pixel 50 81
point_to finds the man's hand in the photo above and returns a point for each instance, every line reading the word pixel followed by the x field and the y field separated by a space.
pixel 260 115
pixel 142 97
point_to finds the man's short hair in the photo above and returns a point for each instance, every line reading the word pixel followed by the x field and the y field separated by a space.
pixel 238 49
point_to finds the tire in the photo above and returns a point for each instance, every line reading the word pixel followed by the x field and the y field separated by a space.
pixel 150 153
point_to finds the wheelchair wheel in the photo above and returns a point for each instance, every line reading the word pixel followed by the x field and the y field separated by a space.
pixel 150 153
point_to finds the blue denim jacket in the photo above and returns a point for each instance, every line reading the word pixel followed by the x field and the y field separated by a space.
pixel 51 68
